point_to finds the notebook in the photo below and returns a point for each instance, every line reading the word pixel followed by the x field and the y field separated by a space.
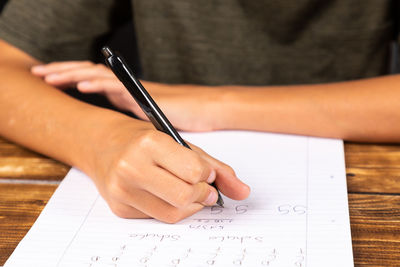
pixel 296 215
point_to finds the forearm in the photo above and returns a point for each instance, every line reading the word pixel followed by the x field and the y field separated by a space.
pixel 364 110
pixel 46 120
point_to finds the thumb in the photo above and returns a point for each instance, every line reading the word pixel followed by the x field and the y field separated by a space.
pixel 227 181
pixel 230 185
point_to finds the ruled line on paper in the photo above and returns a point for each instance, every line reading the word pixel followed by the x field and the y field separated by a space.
pixel 77 232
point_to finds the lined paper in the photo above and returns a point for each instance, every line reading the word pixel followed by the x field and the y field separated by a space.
pixel 297 214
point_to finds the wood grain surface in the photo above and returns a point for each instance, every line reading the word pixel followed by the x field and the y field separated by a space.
pixel 20 163
pixel 20 205
pixel 27 181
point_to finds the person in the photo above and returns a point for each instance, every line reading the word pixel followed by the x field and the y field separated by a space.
pixel 307 68
pixel 139 171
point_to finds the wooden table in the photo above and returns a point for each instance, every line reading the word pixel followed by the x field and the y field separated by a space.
pixel 27 181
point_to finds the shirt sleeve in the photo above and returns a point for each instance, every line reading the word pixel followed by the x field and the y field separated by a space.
pixel 55 30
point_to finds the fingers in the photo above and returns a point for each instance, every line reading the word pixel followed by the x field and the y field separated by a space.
pixel 88 77
pixel 167 187
pixel 74 76
pixel 227 181
pixel 184 196
pixel 55 67
pixel 95 85
pixel 67 74
pixel 150 208
pixel 158 209
pixel 130 201
pixel 180 175
pixel 183 162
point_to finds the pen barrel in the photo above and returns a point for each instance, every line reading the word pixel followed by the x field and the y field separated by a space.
pixel 142 97
pixel 145 101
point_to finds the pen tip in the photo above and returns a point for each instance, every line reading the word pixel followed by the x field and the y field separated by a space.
pixel 220 201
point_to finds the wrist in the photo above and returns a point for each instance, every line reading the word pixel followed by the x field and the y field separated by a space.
pixel 229 108
pixel 106 130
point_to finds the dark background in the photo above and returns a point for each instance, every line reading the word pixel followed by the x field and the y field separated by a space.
pixel 2 3
pixel 122 40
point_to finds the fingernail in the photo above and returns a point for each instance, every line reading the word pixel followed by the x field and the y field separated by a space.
pixel 38 68
pixel 211 199
pixel 84 84
pixel 212 176
pixel 52 77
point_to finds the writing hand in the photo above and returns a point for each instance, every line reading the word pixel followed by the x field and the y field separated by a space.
pixel 143 173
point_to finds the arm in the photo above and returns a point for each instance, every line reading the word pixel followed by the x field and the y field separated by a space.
pixel 366 110
pixel 117 152
pixel 37 116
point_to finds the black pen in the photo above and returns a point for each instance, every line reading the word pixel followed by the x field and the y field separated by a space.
pixel 144 100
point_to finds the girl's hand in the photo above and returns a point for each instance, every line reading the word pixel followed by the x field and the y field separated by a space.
pixel 189 107
pixel 143 173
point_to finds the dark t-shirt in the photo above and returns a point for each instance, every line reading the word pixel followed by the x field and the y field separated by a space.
pixel 257 42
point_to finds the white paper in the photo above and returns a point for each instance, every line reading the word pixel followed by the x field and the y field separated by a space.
pixel 296 215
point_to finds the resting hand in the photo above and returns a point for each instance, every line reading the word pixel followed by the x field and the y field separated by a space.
pixel 189 107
